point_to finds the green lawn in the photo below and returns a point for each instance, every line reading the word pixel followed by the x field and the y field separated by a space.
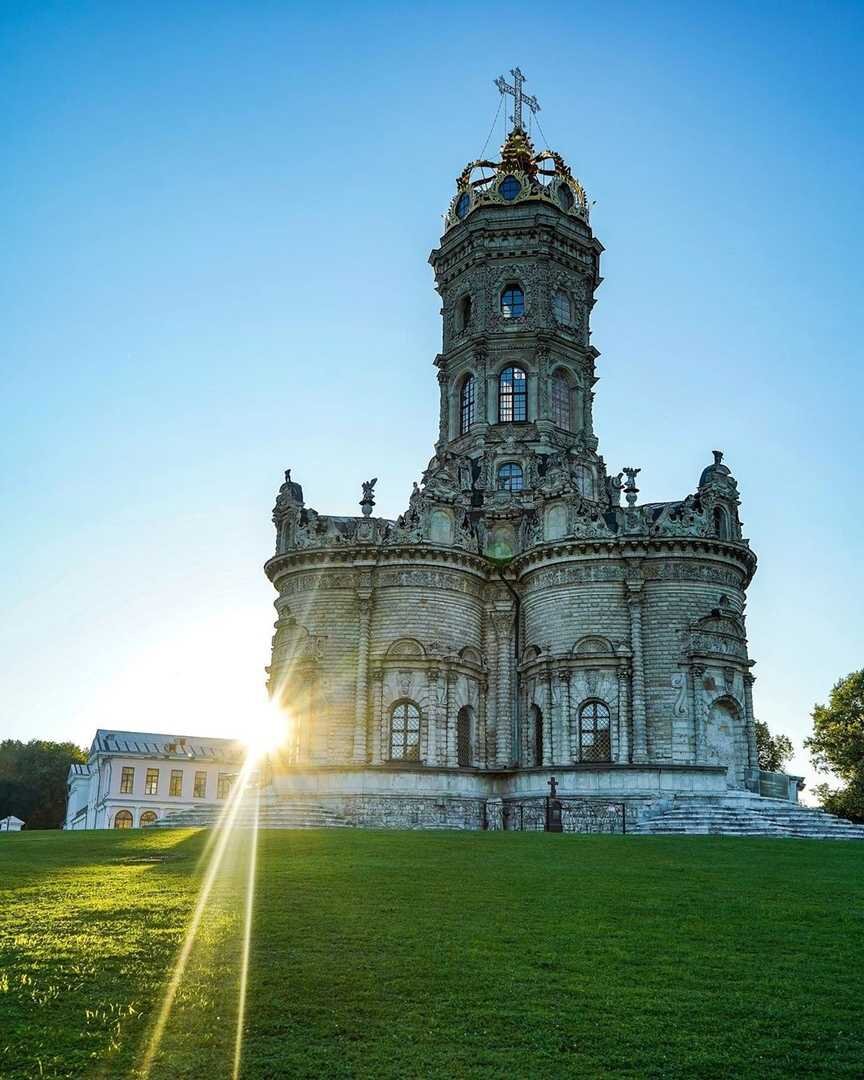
pixel 386 954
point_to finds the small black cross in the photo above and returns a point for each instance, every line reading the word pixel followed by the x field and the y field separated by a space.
pixel 553 784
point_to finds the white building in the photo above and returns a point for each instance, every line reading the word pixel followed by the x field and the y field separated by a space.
pixel 11 824
pixel 133 778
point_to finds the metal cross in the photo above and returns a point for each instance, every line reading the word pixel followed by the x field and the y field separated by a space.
pixel 553 784
pixel 516 90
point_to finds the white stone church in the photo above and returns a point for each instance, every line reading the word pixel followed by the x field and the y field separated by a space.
pixel 517 620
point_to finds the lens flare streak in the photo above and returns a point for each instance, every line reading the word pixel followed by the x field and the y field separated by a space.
pixel 247 940
pixel 216 848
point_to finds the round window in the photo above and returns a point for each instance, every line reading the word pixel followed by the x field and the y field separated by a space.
pixel 565 197
pixel 510 188
pixel 463 205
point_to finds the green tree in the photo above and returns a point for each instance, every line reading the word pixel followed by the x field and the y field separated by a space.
pixel 772 751
pixel 837 746
pixel 33 780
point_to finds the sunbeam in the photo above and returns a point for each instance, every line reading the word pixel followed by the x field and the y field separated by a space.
pixel 217 845
pixel 247 939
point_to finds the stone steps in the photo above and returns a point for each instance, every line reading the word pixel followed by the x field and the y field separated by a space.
pixel 736 816
pixel 272 814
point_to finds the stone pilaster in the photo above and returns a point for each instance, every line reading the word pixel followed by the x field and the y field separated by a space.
pixel 634 589
pixel 450 719
pixel 549 717
pixel 752 752
pixel 502 621
pixel 624 737
pixel 377 717
pixel 361 700
pixel 481 756
pixel 435 750
pixel 444 407
pixel 568 753
pixel 695 676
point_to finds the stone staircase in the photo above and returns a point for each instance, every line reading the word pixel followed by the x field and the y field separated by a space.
pixel 273 813
pixel 743 815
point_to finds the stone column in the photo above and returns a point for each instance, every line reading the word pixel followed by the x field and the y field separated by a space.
pixel 481 755
pixel 480 386
pixel 750 721
pixel 361 700
pixel 640 722
pixel 695 676
pixel 434 733
pixel 444 408
pixel 502 621
pixel 624 740
pixel 450 719
pixel 549 718
pixel 567 754
pixel 377 716
pixel 548 741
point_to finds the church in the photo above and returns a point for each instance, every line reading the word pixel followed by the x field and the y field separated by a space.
pixel 526 621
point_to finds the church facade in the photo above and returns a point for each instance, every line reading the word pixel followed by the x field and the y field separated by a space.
pixel 526 616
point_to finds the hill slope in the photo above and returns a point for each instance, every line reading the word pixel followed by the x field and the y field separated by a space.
pixel 378 954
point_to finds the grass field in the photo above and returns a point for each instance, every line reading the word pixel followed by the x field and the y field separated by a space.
pixel 385 954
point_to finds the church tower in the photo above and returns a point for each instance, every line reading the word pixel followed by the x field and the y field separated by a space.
pixel 516 618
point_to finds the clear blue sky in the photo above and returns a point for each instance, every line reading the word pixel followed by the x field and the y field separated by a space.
pixel 216 219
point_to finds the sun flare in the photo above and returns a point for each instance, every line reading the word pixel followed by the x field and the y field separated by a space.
pixel 265 730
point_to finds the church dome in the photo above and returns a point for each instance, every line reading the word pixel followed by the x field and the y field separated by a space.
pixel 521 175
pixel 715 472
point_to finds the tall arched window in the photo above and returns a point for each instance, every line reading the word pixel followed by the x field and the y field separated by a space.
pixel 537 734
pixel 560 401
pixel 405 732
pixel 147 818
pixel 510 477
pixel 512 301
pixel 123 820
pixel 512 395
pixel 721 523
pixel 594 740
pixel 467 405
pixel 463 737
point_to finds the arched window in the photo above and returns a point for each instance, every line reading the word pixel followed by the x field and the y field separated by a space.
pixel 594 741
pixel 561 402
pixel 463 204
pixel 512 301
pixel 565 197
pixel 467 405
pixel 463 737
pixel 405 732
pixel 721 523
pixel 123 820
pixel 561 307
pixel 147 818
pixel 464 312
pixel 510 477
pixel 537 734
pixel 512 396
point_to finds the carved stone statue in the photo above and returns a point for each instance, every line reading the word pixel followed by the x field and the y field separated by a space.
pixel 368 500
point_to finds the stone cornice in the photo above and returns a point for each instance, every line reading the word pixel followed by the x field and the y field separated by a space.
pixel 635 547
pixel 365 557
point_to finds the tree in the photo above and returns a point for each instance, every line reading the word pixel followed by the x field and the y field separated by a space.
pixel 772 751
pixel 33 780
pixel 837 746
